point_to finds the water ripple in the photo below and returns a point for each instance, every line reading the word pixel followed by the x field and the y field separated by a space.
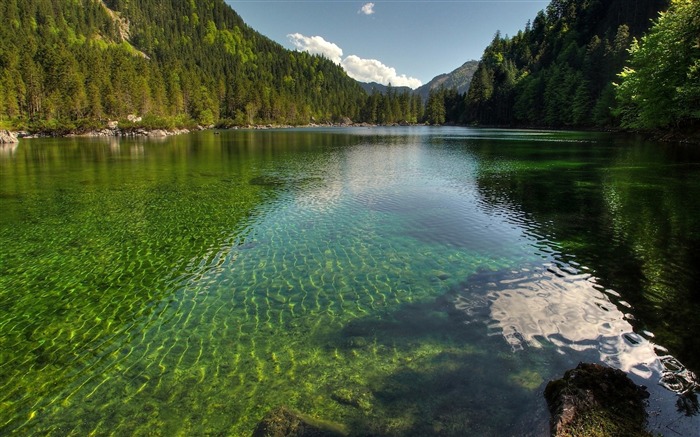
pixel 551 303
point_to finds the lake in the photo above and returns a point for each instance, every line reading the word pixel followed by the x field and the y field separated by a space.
pixel 394 281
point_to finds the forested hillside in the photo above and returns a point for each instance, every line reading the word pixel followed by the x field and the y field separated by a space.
pixel 559 70
pixel 74 64
pixel 66 61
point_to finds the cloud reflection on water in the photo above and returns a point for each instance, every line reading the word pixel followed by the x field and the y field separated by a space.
pixel 546 305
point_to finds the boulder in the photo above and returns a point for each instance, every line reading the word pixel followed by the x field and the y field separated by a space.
pixel 283 422
pixel 7 137
pixel 156 133
pixel 354 396
pixel 593 400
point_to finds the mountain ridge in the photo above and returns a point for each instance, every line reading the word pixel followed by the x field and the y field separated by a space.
pixel 460 78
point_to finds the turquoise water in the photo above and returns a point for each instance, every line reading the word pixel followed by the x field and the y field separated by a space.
pixel 394 281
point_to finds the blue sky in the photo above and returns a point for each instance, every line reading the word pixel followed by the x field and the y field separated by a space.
pixel 407 42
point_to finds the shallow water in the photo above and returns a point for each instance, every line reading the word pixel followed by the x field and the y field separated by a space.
pixel 395 281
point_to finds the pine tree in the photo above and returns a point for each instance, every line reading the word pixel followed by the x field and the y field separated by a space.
pixel 558 71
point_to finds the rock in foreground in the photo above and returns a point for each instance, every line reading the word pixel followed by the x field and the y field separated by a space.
pixel 283 422
pixel 595 400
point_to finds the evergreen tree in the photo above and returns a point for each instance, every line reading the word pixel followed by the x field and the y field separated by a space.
pixel 435 107
pixel 559 70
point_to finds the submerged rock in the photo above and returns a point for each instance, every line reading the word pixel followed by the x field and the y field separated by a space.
pixel 283 422
pixel 595 400
pixel 443 276
pixel 354 396
pixel 357 342
pixel 7 137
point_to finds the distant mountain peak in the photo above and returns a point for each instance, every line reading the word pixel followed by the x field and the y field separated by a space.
pixel 460 78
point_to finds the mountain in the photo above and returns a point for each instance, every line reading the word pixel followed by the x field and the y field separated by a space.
pixel 458 79
pixel 82 62
pixel 559 71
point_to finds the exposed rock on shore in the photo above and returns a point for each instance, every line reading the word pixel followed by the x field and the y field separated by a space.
pixel 7 137
pixel 135 132
pixel 595 400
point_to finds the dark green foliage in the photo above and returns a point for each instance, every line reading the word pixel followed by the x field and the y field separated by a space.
pixel 72 59
pixel 435 108
pixel 558 72
pixel 392 107
pixel 661 86
pixel 444 106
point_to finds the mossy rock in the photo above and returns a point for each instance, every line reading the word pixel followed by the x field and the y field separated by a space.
pixel 357 342
pixel 355 396
pixel 283 422
pixel 594 400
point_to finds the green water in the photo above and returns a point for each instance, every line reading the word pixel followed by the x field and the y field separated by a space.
pixel 394 281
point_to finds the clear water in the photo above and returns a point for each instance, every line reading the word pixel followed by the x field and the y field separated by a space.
pixel 394 281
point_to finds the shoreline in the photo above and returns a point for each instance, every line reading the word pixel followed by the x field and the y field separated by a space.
pixel 112 130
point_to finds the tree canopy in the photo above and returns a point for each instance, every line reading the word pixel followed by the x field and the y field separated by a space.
pixel 660 86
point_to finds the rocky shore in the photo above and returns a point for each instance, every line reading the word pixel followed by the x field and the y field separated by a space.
pixel 7 137
pixel 114 130
pixel 130 132
pixel 133 126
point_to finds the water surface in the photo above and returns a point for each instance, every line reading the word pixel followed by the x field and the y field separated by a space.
pixel 396 281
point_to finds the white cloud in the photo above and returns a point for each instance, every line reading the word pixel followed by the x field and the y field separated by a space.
pixel 372 70
pixel 364 70
pixel 367 9
pixel 316 45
